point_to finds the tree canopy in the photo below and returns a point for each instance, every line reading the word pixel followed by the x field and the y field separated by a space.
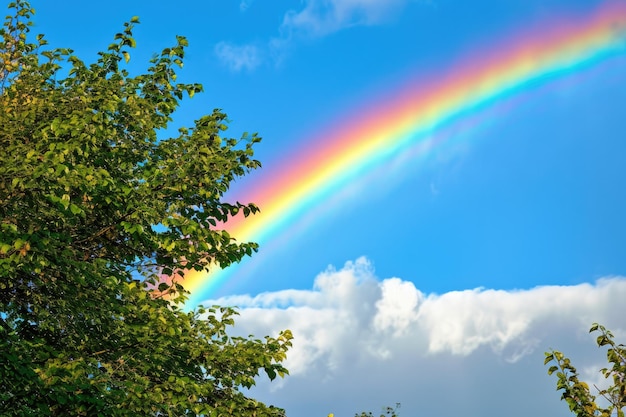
pixel 96 207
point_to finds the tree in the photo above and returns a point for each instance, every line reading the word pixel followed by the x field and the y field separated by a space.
pixel 578 394
pixel 95 209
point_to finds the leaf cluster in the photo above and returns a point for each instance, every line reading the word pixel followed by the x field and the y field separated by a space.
pixel 100 217
pixel 387 412
pixel 578 394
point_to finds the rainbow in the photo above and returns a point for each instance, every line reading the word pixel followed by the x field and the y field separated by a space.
pixel 335 158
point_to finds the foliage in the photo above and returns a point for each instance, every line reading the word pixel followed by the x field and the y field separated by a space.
pixel 387 412
pixel 96 208
pixel 578 394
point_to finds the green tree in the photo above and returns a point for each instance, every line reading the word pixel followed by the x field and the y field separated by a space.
pixel 96 207
pixel 578 394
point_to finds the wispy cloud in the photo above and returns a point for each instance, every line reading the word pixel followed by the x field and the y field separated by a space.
pixel 238 57
pixel 315 19
pixel 352 328
pixel 245 4
pixel 322 17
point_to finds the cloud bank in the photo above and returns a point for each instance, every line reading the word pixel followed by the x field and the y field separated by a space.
pixel 361 343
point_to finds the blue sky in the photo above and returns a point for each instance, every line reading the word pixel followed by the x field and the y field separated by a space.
pixel 525 200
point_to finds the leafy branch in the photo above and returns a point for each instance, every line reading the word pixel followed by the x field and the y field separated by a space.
pixel 578 394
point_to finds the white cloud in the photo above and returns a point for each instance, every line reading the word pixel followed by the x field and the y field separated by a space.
pixel 361 343
pixel 322 17
pixel 397 306
pixel 315 19
pixel 238 57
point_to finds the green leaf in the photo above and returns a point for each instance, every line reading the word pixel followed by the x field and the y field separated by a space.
pixel 602 340
pixel 65 200
pixel 549 358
